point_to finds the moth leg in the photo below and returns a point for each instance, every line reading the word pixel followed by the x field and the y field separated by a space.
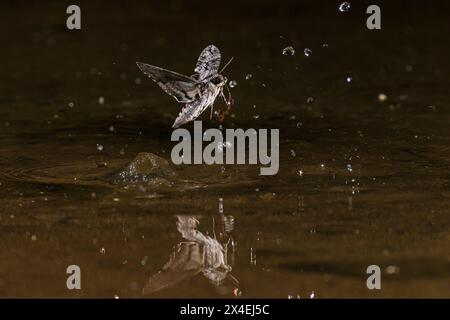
pixel 221 115
pixel 223 97
pixel 229 103
pixel 230 100
pixel 212 108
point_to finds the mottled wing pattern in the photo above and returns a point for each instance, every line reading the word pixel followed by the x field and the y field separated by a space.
pixel 185 262
pixel 184 89
pixel 193 110
pixel 187 227
pixel 208 63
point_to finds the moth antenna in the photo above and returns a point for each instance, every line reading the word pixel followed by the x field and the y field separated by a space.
pixel 226 65
pixel 223 95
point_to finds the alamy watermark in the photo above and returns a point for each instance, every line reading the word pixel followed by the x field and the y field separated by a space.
pixel 373 22
pixel 73 21
pixel 74 279
pixel 231 150
pixel 374 279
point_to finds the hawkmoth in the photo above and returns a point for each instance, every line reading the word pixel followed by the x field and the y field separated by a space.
pixel 198 91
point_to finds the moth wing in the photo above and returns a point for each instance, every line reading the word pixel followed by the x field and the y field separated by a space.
pixel 208 62
pixel 185 262
pixel 184 89
pixel 187 227
pixel 191 111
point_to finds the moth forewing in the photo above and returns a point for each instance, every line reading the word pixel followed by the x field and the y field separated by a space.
pixel 183 88
pixel 208 62
pixel 186 261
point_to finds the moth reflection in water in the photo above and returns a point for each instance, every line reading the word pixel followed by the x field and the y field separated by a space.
pixel 197 92
pixel 199 254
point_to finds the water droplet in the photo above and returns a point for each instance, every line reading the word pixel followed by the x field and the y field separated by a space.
pixel 71 104
pixel 392 270
pixel 116 296
pixel 101 100
pixel 248 76
pixel 289 51
pixel 221 205
pixel 325 45
pixel 310 100
pixel 99 147
pixel 382 97
pixel 229 224
pixel 312 295
pixel 293 154
pixel 307 52
pixel 237 292
pixel 112 129
pixel 349 167
pixel 222 145
pixel 102 250
pixel 348 79
pixel 233 83
pixel 256 116
pixel 252 257
pixel 344 7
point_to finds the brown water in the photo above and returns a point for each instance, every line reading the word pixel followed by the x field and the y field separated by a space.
pixel 361 181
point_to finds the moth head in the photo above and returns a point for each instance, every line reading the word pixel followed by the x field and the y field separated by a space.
pixel 219 80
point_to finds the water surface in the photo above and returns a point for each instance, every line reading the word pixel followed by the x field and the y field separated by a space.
pixel 361 181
